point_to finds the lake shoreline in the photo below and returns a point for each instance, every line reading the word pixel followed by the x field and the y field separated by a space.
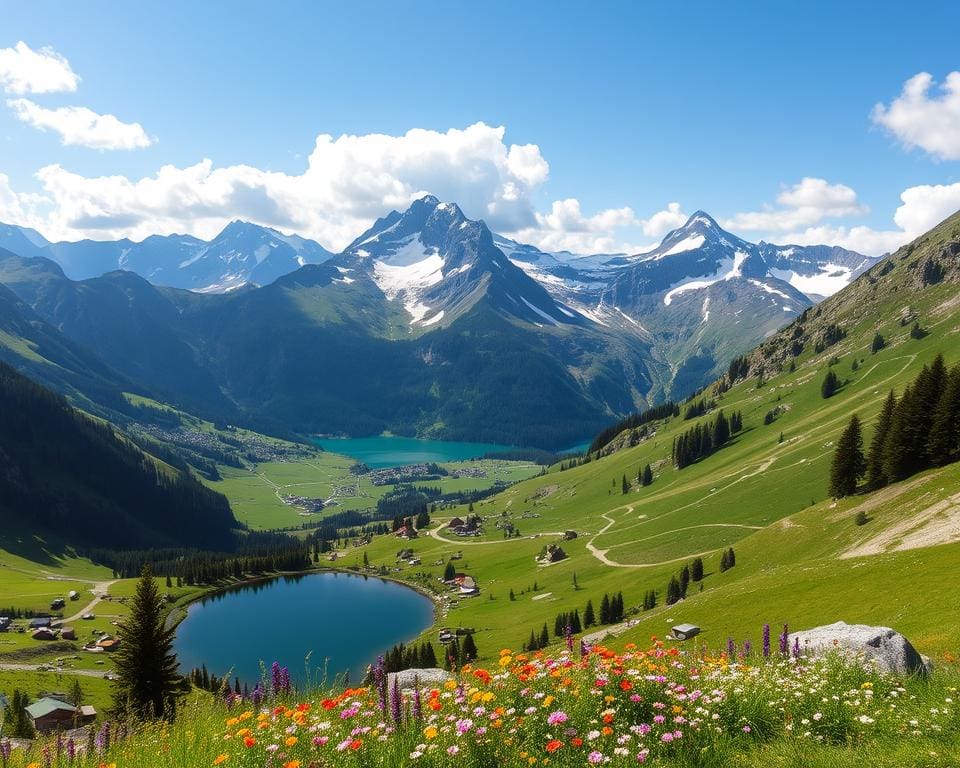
pixel 180 610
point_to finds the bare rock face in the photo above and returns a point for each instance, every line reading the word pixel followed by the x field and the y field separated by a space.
pixel 409 679
pixel 884 648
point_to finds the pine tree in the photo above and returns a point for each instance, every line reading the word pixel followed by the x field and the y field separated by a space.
pixel 512 596
pixel 943 446
pixel 647 477
pixel 532 642
pixel 877 344
pixel 450 572
pixel 830 385
pixel 876 477
pixel 16 721
pixel 469 650
pixel 849 464
pixel 575 625
pixel 721 429
pixel 147 684
pixel 605 609
pixel 673 590
pixel 724 561
pixel 696 569
pixel 589 619
pixel 544 637
pixel 625 485
pixel 731 558
pixel 429 656
pixel 684 580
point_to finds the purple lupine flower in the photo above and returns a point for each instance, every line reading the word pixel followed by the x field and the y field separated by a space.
pixel 568 632
pixel 59 744
pixel 47 757
pixel 766 641
pixel 417 704
pixel 396 701
pixel 747 648
pixel 71 750
pixel 784 640
pixel 102 739
pixel 796 647
pixel 257 696
pixel 5 749
pixel 380 683
pixel 584 648
pixel 731 649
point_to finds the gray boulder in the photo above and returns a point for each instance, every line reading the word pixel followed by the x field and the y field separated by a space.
pixel 884 648
pixel 428 678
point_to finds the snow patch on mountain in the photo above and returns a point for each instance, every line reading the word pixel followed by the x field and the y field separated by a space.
pixel 728 270
pixel 830 279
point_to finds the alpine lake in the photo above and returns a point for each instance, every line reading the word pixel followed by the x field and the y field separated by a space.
pixel 320 625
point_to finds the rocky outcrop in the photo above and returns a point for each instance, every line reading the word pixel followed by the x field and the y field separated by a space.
pixel 882 647
pixel 408 679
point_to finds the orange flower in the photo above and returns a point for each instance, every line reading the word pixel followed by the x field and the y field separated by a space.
pixel 249 741
pixel 290 741
pixel 625 685
pixel 576 741
pixel 553 746
pixel 356 744
pixel 606 730
pixel 292 764
pixel 221 759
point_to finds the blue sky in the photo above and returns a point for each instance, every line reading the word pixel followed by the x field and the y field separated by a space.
pixel 633 106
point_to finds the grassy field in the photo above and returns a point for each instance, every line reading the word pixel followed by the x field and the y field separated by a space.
pixel 256 494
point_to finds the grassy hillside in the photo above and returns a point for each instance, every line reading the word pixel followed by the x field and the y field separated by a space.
pixel 800 557
pixel 64 473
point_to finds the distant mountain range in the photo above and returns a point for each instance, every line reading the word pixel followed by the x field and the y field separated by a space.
pixel 427 323
pixel 242 253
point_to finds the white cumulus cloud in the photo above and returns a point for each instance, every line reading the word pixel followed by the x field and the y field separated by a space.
pixel 805 204
pixel 79 126
pixel 921 120
pixel 24 70
pixel 347 182
pixel 922 208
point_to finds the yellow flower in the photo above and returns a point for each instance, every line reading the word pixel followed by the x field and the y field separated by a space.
pixel 548 701
pixel 290 741
pixel 430 732
pixel 506 661
pixel 221 759
pixel 232 722
pixel 450 685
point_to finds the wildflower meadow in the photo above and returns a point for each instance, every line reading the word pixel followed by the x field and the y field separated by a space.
pixel 593 706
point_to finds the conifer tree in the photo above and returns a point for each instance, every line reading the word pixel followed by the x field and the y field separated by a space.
pixel 450 571
pixel 731 558
pixel 696 569
pixel 943 446
pixel 605 609
pixel 544 637
pixel 589 619
pixel 673 590
pixel 684 580
pixel 877 344
pixel 830 385
pixel 147 684
pixel 575 625
pixel 849 464
pixel 646 478
pixel 876 477
pixel 469 650
pixel 625 485
pixel 724 561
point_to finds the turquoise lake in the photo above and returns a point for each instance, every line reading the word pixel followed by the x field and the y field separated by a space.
pixel 340 619
pixel 383 452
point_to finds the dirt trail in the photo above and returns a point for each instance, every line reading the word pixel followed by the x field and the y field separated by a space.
pixel 937 524
pixel 100 590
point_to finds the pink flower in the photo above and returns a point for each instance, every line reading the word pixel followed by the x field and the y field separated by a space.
pixel 556 718
pixel 595 757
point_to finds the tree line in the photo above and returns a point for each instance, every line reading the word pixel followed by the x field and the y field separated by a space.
pixel 917 431
pixel 703 439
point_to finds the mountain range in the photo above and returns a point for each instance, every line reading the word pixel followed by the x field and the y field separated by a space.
pixel 428 323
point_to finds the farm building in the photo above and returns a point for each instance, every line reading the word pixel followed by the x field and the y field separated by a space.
pixel 49 714
pixel 5 622
pixel 40 623
pixel 68 633
pixel 455 523
pixel 44 633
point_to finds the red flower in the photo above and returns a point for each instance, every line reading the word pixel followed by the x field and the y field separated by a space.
pixel 553 746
